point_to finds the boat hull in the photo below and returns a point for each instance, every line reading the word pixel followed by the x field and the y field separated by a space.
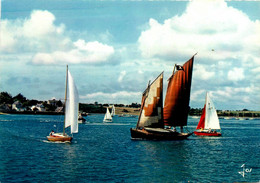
pixel 210 134
pixel 160 134
pixel 59 138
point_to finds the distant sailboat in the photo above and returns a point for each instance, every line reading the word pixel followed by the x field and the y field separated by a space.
pixel 71 111
pixel 155 122
pixel 108 117
pixel 113 112
pixel 81 119
pixel 209 121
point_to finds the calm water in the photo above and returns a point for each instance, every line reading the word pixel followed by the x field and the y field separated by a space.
pixel 103 152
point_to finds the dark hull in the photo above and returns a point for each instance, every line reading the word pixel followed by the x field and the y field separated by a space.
pixel 212 134
pixel 162 134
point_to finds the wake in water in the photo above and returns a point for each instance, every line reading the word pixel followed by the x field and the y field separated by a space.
pixel 107 124
pixel 56 142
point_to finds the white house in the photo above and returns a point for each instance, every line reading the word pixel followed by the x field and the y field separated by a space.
pixel 17 105
pixel 38 107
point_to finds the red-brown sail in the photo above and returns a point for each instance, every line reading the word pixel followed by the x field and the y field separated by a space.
pixel 151 109
pixel 176 105
pixel 202 119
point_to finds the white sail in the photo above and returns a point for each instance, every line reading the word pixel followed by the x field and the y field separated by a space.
pixel 72 105
pixel 108 116
pixel 211 118
pixel 113 112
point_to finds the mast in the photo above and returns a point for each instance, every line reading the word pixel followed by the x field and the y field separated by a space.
pixel 66 85
pixel 206 111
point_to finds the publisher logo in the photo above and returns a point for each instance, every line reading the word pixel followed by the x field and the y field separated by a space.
pixel 245 170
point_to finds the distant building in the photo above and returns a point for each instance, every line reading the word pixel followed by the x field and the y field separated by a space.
pixel 53 102
pixel 38 107
pixel 18 106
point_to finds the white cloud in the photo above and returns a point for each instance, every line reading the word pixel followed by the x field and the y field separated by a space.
pixel 41 23
pixel 82 52
pixel 237 98
pixel 205 25
pixel 196 95
pixel 35 33
pixel 201 73
pixel 48 43
pixel 121 76
pixel 122 96
pixel 236 74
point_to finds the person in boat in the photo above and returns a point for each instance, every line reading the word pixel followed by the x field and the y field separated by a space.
pixel 52 132
pixel 209 130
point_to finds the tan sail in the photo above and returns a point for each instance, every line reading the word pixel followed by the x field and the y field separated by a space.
pixel 151 114
pixel 176 105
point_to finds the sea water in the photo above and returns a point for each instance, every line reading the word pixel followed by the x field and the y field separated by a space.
pixel 105 152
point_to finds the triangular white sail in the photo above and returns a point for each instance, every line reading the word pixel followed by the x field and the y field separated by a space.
pixel 108 116
pixel 113 112
pixel 72 105
pixel 211 118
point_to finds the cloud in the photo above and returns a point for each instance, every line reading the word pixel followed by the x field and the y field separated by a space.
pixel 239 96
pixel 202 73
pixel 48 43
pixel 203 27
pixel 91 52
pixel 236 74
pixel 121 76
pixel 122 96
pixel 40 24
pixel 198 95
pixel 35 33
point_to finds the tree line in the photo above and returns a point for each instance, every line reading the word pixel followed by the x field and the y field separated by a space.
pixel 7 99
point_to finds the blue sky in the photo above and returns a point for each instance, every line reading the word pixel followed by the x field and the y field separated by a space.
pixel 114 47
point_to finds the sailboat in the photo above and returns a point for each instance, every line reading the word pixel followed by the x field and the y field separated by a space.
pixel 108 117
pixel 209 121
pixel 113 112
pixel 158 123
pixel 71 111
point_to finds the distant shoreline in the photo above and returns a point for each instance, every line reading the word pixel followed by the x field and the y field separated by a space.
pixel 136 111
pixel 32 113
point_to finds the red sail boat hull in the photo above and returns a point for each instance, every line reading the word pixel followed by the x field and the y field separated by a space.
pixel 214 134
pixel 157 134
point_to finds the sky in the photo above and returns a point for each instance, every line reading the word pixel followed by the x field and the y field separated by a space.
pixel 113 48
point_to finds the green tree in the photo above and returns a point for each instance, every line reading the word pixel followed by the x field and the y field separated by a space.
pixel 59 104
pixel 20 98
pixel 6 98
